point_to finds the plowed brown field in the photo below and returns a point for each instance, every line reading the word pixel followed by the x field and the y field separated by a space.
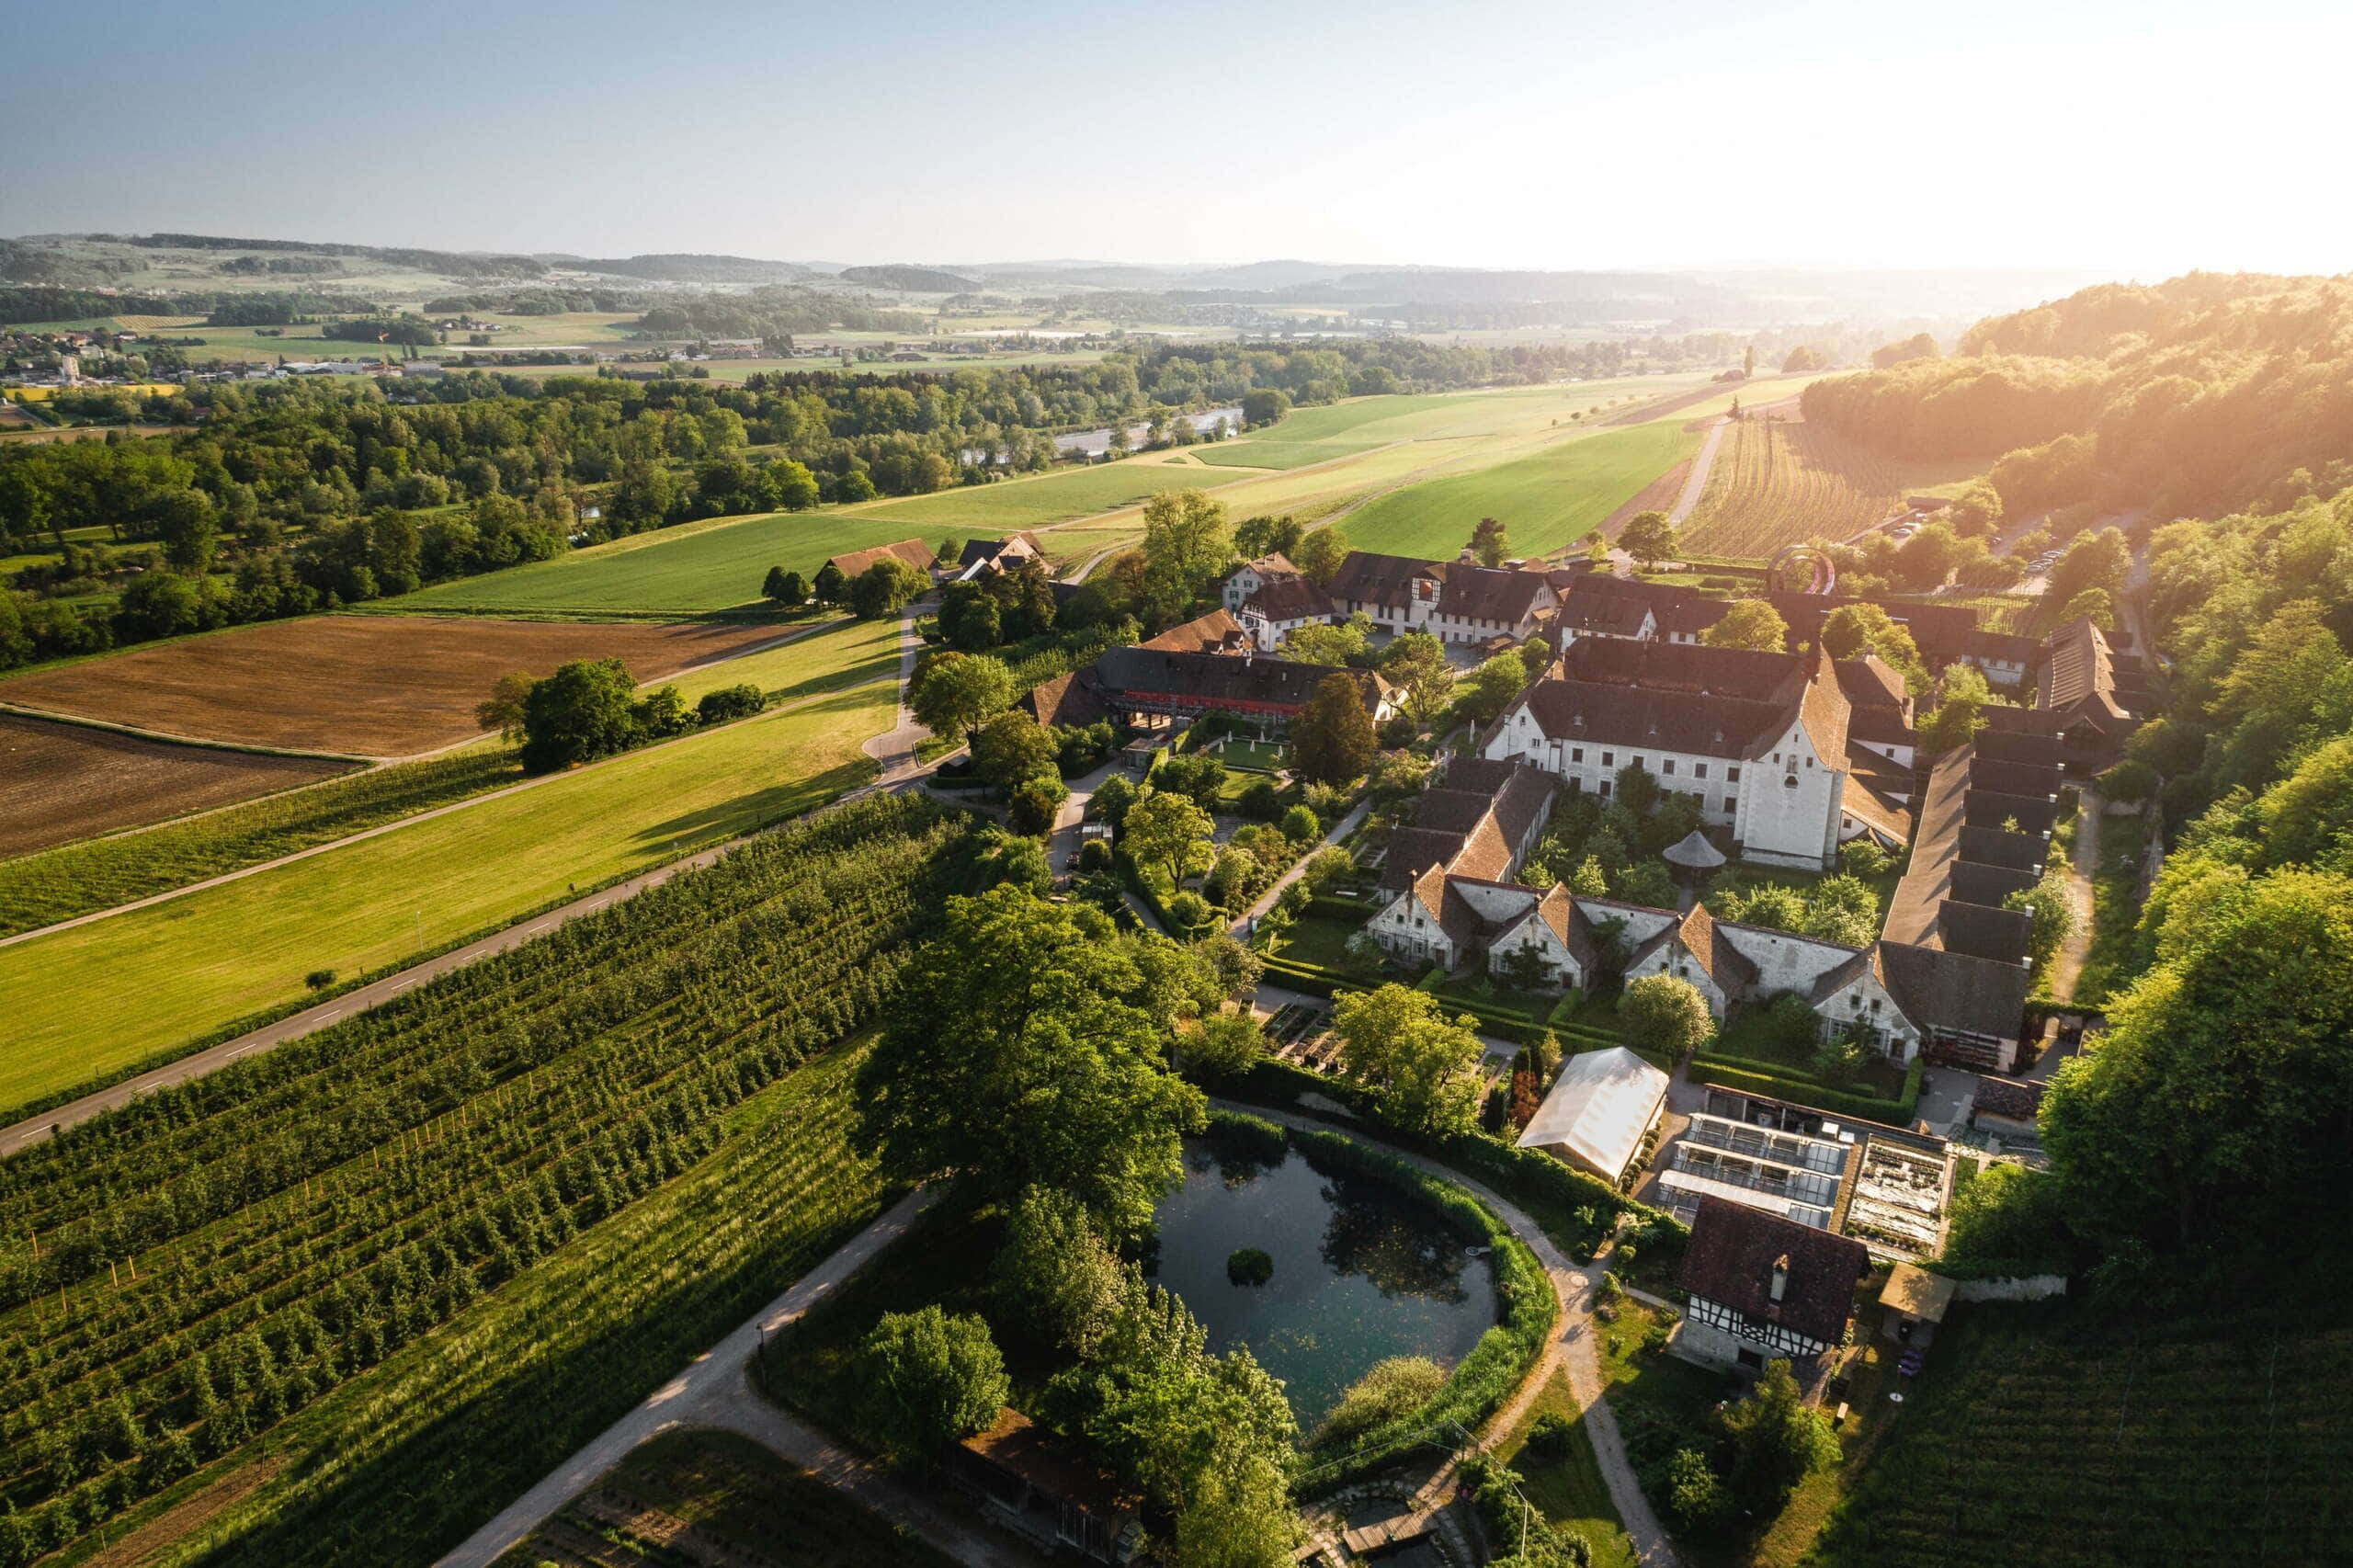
pixel 61 782
pixel 366 685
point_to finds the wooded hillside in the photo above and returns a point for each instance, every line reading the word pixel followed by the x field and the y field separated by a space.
pixel 2198 395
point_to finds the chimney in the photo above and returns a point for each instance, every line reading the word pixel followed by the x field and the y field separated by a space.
pixel 1780 1277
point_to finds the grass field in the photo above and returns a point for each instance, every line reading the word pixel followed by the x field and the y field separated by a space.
pixel 708 1497
pixel 1784 482
pixel 1318 435
pixel 234 951
pixel 1000 508
pixel 61 782
pixel 1547 500
pixel 371 684
pixel 1570 1492
pixel 2040 1438
pixel 831 655
pixel 692 569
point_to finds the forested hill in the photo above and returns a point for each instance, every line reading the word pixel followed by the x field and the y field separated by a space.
pixel 2201 394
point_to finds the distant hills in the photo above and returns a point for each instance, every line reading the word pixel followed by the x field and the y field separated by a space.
pixel 1433 298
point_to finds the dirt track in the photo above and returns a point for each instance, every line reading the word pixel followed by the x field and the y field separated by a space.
pixel 371 686
pixel 61 782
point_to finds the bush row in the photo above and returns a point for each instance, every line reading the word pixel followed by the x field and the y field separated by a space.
pixel 1715 1069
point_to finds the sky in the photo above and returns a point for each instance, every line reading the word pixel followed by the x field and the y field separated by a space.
pixel 2140 140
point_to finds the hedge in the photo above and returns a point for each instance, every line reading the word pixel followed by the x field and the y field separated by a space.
pixel 1335 906
pixel 1863 1107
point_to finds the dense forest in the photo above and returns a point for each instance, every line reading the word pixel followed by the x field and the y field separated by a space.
pixel 2196 396
pixel 289 497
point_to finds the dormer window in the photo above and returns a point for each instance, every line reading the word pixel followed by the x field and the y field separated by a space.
pixel 1780 1282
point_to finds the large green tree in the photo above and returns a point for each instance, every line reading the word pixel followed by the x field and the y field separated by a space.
pixel 1169 830
pixel 1186 543
pixel 1332 740
pixel 1749 623
pixel 1029 1048
pixel 1421 1065
pixel 1665 1014
pixel 583 712
pixel 927 1378
pixel 953 693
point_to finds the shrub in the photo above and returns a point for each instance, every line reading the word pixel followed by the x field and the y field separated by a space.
pixel 1695 1496
pixel 1262 801
pixel 1301 826
pixel 1188 911
pixel 927 1379
pixel 1054 1274
pixel 729 702
pixel 1395 1388
pixel 1548 1439
pixel 1094 854
pixel 1037 800
pixel 1249 1266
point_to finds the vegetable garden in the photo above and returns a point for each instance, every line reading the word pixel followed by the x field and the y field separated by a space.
pixel 181 1277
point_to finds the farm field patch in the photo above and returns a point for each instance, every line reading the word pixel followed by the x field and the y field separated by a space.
pixel 1547 500
pixel 829 657
pixel 1778 481
pixel 61 782
pixel 693 569
pixel 1000 508
pixel 717 1492
pixel 94 874
pixel 1317 435
pixel 244 947
pixel 371 686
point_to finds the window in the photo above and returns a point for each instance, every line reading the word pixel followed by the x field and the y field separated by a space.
pixel 1731 803
pixel 1777 756
pixel 1667 767
pixel 1576 754
pixel 1605 788
pixel 1808 762
pixel 1638 762
pixel 1750 1358
pixel 1731 775
pixel 1609 759
pixel 1698 770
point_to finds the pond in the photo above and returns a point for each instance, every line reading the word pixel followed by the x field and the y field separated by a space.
pixel 1361 1273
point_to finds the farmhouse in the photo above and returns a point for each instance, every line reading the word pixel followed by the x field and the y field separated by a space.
pixel 1764 1288
pixel 1026 1477
pixel 912 552
pixel 986 557
pixel 1252 575
pixel 1279 608
pixel 1598 1111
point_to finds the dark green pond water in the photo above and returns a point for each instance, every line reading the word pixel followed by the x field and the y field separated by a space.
pixel 1361 1273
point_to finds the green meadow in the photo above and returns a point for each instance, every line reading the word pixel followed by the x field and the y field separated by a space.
pixel 75 1008
pixel 692 569
pixel 1547 500
pixel 1012 504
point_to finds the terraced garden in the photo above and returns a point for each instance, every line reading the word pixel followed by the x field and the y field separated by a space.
pixel 341 1302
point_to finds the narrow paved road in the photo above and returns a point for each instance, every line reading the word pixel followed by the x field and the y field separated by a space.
pixel 1573 1348
pixel 715 1390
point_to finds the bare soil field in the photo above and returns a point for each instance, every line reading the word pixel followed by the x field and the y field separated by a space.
pixel 61 782
pixel 365 685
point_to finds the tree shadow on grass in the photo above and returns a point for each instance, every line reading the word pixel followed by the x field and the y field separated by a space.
pixel 758 807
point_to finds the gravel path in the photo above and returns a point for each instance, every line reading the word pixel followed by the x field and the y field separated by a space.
pixel 1572 1348
pixel 1696 486
pixel 716 1390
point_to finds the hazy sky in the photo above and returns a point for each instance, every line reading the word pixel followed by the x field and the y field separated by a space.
pixel 2142 138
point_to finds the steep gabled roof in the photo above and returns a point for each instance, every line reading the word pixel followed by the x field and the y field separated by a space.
pixel 1203 634
pixel 1871 682
pixel 1713 952
pixel 1732 1256
pixel 1484 593
pixel 1943 990
pixel 1288 599
pixel 1380 579
pixel 2076 667
pixel 913 551
pixel 1065 700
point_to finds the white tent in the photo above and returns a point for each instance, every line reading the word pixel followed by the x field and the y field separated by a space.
pixel 1597 1111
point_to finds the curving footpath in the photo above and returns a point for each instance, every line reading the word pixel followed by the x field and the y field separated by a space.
pixel 1572 1349
pixel 715 1390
